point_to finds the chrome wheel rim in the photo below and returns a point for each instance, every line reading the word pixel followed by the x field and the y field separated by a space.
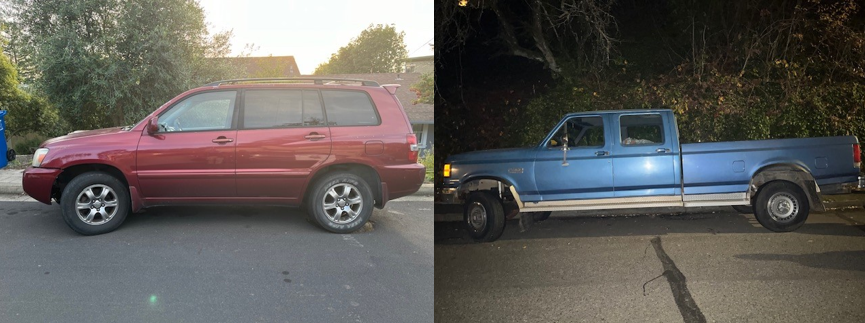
pixel 96 204
pixel 342 203
pixel 477 217
pixel 783 207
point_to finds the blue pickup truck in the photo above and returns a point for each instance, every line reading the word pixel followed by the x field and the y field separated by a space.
pixel 633 159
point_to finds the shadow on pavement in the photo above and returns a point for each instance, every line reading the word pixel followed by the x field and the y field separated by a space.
pixel 712 221
pixel 841 260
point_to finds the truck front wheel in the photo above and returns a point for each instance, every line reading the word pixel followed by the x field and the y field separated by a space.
pixel 484 217
pixel 781 207
pixel 94 203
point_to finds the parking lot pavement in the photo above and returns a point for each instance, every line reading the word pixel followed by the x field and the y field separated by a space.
pixel 711 265
pixel 216 264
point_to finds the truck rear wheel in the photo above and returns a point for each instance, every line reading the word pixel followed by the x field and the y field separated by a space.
pixel 781 206
pixel 484 217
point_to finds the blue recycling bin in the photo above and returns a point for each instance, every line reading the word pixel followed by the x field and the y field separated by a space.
pixel 6 154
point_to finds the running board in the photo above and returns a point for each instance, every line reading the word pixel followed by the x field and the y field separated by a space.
pixel 724 199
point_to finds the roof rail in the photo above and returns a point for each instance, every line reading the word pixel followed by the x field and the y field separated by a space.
pixel 315 80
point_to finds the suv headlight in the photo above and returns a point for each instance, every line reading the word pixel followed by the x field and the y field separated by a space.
pixel 38 156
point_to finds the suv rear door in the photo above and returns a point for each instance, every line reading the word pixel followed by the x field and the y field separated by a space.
pixel 282 137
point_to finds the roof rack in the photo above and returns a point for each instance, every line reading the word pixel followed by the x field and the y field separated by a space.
pixel 315 80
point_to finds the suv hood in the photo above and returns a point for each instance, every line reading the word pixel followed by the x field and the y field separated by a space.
pixel 81 135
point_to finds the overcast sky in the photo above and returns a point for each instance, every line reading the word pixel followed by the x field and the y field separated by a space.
pixel 313 30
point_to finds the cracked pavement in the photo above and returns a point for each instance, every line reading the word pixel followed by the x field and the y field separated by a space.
pixel 577 268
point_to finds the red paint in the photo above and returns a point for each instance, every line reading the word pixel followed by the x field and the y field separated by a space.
pixel 272 166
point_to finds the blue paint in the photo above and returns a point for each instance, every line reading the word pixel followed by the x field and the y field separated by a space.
pixel 640 155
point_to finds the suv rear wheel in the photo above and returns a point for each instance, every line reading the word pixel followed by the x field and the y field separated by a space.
pixel 94 203
pixel 341 202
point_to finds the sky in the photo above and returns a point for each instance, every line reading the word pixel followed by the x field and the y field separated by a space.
pixel 313 30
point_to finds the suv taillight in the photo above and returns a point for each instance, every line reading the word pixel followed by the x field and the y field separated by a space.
pixel 857 154
pixel 412 144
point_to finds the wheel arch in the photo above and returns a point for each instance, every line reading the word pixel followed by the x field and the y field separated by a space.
pixel 73 171
pixel 788 172
pixel 368 173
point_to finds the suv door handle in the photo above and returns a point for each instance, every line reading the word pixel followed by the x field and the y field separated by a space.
pixel 314 136
pixel 662 150
pixel 222 140
pixel 602 153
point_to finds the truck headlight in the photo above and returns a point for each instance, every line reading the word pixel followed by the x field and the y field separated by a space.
pixel 447 171
pixel 38 156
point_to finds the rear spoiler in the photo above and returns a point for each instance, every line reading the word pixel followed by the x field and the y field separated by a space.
pixel 391 88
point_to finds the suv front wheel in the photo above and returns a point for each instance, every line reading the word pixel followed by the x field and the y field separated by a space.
pixel 341 202
pixel 94 203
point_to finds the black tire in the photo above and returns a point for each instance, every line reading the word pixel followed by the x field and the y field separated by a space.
pixel 105 218
pixel 348 188
pixel 746 209
pixel 484 217
pixel 541 216
pixel 781 206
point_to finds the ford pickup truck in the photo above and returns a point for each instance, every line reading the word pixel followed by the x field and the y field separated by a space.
pixel 633 159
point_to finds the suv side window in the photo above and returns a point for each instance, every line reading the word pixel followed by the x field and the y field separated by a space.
pixel 281 109
pixel 580 132
pixel 200 112
pixel 349 108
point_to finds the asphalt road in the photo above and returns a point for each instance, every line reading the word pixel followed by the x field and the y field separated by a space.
pixel 216 264
pixel 713 265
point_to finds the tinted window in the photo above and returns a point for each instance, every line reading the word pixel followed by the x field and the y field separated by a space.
pixel 205 111
pixel 349 108
pixel 580 132
pixel 281 108
pixel 645 129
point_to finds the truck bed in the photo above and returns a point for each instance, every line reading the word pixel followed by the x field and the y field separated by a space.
pixel 727 167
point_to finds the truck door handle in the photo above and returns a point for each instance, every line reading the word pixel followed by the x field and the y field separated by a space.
pixel 314 136
pixel 222 140
pixel 662 150
pixel 602 153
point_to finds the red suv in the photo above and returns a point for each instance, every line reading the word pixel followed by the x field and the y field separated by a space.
pixel 337 146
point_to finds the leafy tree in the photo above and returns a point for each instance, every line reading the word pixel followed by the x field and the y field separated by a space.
pixel 27 113
pixel 378 49
pixel 110 62
pixel 424 88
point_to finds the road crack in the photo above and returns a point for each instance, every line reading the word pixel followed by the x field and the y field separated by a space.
pixel 678 284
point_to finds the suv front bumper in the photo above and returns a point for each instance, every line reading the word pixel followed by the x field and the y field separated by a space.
pixel 38 182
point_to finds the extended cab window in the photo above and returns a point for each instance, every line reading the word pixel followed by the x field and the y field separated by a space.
pixel 349 108
pixel 281 108
pixel 641 129
pixel 580 132
pixel 199 112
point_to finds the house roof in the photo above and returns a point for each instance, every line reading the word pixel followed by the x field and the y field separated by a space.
pixel 420 58
pixel 267 66
pixel 417 113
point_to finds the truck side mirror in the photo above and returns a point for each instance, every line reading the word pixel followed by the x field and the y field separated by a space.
pixel 152 126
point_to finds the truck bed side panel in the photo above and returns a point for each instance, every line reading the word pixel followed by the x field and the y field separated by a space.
pixel 727 167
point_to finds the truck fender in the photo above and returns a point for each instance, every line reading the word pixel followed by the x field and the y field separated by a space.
pixel 790 173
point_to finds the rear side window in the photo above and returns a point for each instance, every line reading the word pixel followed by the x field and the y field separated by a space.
pixel 642 129
pixel 281 109
pixel 349 108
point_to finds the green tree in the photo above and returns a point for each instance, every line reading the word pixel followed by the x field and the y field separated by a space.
pixel 110 62
pixel 378 49
pixel 27 113
pixel 424 88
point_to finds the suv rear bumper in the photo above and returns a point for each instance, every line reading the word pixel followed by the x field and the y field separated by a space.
pixel 401 180
pixel 37 183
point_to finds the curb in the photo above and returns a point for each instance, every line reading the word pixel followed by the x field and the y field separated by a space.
pixel 425 189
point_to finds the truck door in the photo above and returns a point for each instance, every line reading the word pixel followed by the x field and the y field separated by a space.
pixel 643 156
pixel 579 170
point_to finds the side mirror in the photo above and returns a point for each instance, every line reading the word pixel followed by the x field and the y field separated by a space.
pixel 152 126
